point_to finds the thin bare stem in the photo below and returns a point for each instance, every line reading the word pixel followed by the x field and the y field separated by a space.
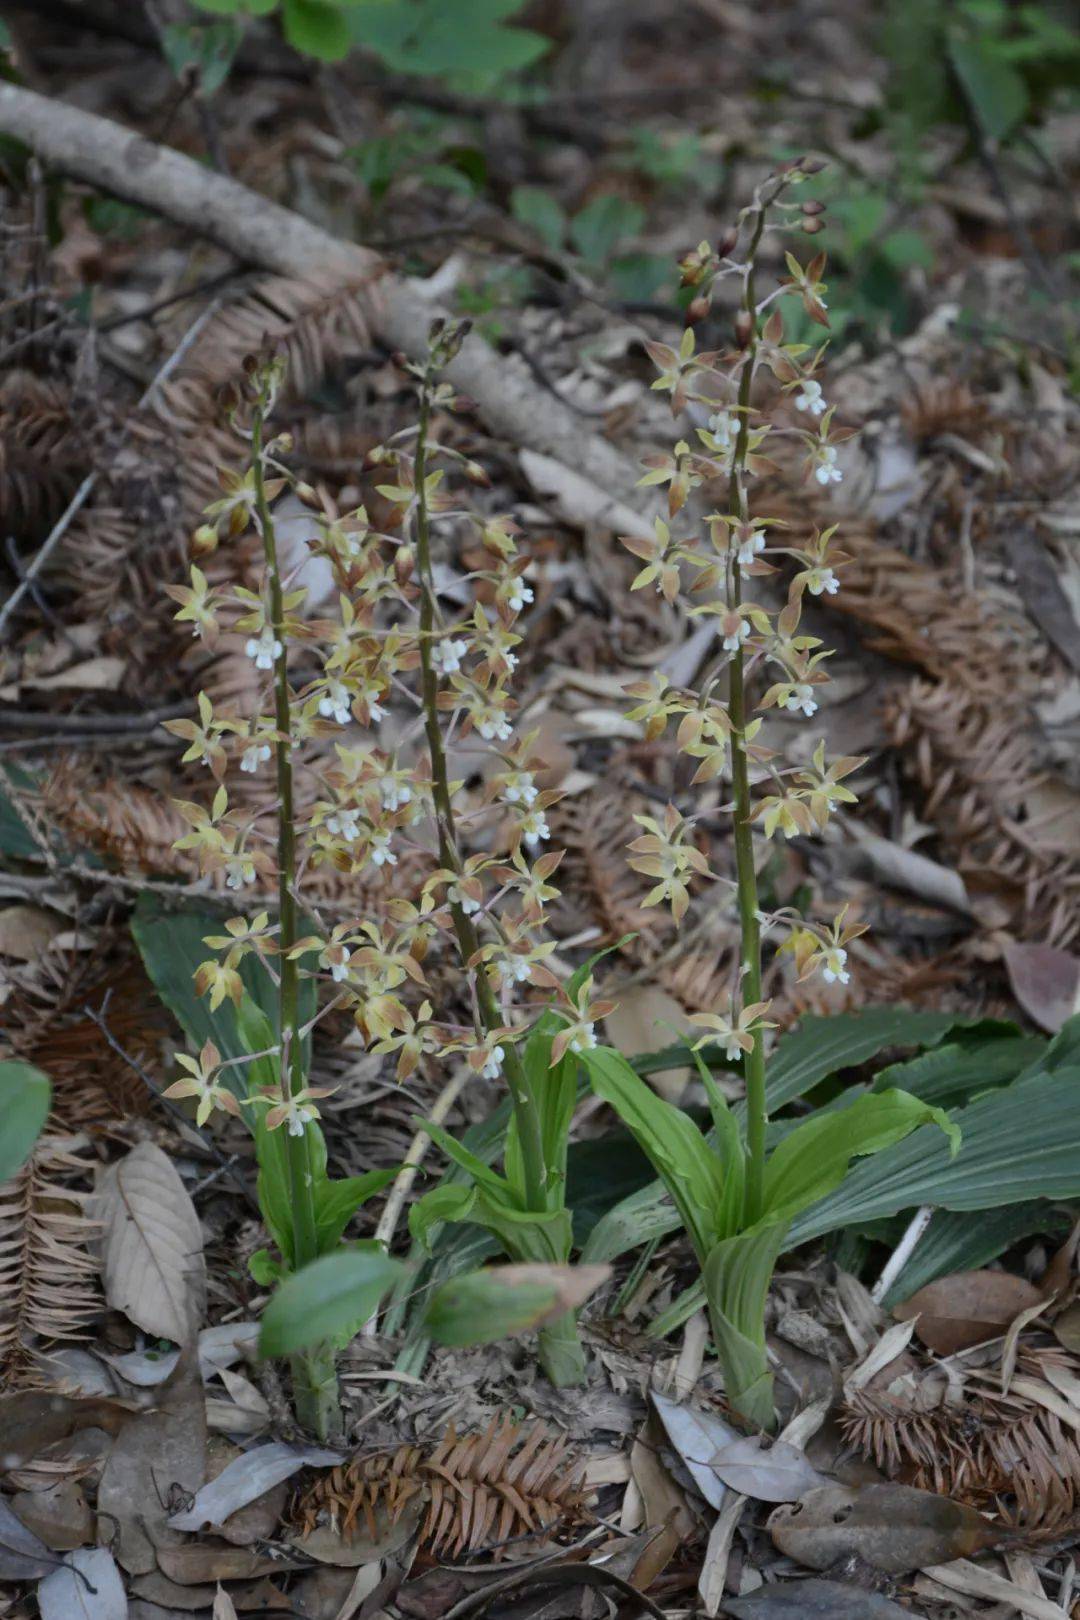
pixel 526 1112
pixel 292 1054
pixel 750 926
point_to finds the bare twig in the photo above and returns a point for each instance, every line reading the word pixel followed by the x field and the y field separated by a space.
pixel 264 233
pixel 91 725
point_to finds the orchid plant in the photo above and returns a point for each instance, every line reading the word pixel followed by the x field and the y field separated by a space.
pixel 343 797
pixel 735 1198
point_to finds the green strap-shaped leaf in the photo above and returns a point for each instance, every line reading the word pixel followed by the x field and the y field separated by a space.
pixel 337 1200
pixel 813 1159
pixel 689 1168
pixel 816 1049
pixel 324 1300
pixel 1019 1143
pixel 951 1075
pixel 25 1095
pixel 737 1274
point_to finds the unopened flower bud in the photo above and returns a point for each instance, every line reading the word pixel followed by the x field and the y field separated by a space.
pixel 477 474
pixel 814 206
pixel 744 328
pixel 404 563
pixel 725 244
pixel 698 308
pixel 306 493
pixel 204 541
pixel 812 225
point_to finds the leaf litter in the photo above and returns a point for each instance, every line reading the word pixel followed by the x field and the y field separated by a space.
pixel 969 879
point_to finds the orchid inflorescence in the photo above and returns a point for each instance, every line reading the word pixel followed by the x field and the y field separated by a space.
pixel 711 568
pixel 327 686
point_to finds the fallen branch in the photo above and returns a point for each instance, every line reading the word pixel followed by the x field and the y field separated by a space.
pixel 263 233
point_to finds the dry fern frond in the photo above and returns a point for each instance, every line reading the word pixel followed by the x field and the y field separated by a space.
pixel 133 534
pixel 94 1089
pixel 916 617
pixel 976 768
pixel 1009 1454
pixel 596 827
pixel 481 1490
pixel 316 319
pixel 944 405
pixel 130 828
pixel 48 1286
pixel 46 449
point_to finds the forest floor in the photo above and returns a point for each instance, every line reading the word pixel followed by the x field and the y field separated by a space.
pixel 553 224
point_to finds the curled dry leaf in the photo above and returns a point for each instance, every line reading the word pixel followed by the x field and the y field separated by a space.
pixel 155 1464
pixel 60 1515
pixel 967 1308
pixel 32 1421
pixel 776 1473
pixel 152 1245
pixel 1046 983
pixel 697 1436
pixel 87 1587
pixel 23 1557
pixel 892 1528
pixel 248 1477
pixel 814 1600
pixel 199 1563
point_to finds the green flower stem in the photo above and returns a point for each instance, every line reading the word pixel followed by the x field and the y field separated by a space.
pixel 757 1117
pixel 526 1112
pixel 559 1346
pixel 314 1375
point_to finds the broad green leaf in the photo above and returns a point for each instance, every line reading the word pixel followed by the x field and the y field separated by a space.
pixel 1018 1143
pixel 482 1307
pixel 635 1220
pixel 736 1275
pixel 171 945
pixel 950 1075
pixel 317 1303
pixel 316 27
pixel 688 1166
pixel 1063 1051
pixel 541 212
pixel 602 224
pixel 820 1047
pixel 337 1200
pixel 25 1095
pixel 813 1158
pixel 995 90
pixel 453 1201
pixel 468 39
